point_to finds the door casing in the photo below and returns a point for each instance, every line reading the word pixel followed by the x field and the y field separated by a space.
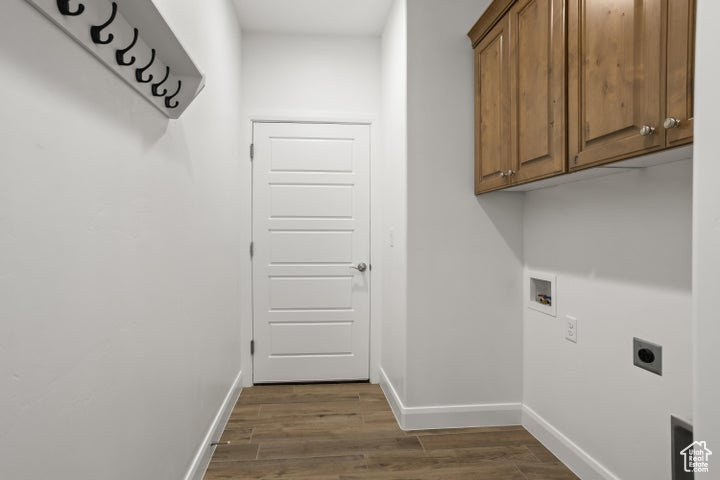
pixel 376 232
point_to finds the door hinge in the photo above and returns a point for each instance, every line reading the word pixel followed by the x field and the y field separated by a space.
pixel 252 249
pixel 252 151
pixel 252 347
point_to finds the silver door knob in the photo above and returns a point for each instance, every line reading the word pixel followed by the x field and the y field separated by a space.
pixel 647 130
pixel 360 267
pixel 510 173
pixel 671 122
pixel 503 175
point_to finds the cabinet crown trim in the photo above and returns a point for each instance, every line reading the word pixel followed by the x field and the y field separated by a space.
pixel 487 21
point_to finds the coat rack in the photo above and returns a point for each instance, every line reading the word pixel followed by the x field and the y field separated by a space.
pixel 133 40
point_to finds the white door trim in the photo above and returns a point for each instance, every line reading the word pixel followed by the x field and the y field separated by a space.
pixel 376 236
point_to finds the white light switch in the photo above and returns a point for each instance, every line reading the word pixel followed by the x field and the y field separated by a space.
pixel 571 328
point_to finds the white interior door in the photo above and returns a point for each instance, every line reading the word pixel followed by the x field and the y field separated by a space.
pixel 311 233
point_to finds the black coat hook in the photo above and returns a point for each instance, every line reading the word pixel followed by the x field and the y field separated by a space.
pixel 168 99
pixel 120 54
pixel 156 86
pixel 96 30
pixel 64 7
pixel 139 71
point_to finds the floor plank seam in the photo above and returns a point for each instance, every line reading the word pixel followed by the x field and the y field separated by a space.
pixel 521 472
pixel 421 444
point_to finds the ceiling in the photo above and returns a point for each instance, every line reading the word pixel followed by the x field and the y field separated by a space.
pixel 314 17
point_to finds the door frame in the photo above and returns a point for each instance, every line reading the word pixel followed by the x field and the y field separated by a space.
pixel 376 237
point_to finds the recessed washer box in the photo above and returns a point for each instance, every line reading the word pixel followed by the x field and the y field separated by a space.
pixel 541 292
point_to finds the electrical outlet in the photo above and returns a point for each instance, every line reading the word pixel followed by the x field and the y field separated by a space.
pixel 647 356
pixel 570 329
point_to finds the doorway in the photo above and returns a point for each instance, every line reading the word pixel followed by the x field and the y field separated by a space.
pixel 311 252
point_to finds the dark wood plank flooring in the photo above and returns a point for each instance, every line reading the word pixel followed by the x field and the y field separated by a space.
pixel 348 432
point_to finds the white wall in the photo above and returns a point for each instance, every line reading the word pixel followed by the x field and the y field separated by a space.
pixel 464 253
pixel 706 247
pixel 621 249
pixel 320 75
pixel 120 254
pixel 394 197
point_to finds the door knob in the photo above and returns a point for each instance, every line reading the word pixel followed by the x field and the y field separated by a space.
pixel 360 267
pixel 510 173
pixel 647 130
pixel 503 175
pixel 671 122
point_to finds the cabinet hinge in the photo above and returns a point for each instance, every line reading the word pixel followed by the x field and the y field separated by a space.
pixel 252 347
pixel 252 249
pixel 252 151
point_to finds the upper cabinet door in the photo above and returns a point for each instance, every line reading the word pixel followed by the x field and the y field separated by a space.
pixel 680 72
pixel 492 110
pixel 616 79
pixel 537 55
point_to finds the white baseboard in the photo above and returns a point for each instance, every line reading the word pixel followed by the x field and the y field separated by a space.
pixel 460 416
pixel 449 416
pixel 574 457
pixel 200 463
pixel 392 397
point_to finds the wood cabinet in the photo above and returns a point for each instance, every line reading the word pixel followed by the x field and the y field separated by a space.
pixel 519 94
pixel 537 89
pixel 553 94
pixel 629 69
pixel 492 110
pixel 680 72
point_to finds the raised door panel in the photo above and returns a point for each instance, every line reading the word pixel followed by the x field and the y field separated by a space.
pixel 537 53
pixel 680 70
pixel 492 110
pixel 616 79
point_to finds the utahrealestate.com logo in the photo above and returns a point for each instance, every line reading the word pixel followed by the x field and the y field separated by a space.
pixel 696 457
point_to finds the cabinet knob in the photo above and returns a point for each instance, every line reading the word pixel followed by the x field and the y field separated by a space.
pixel 647 130
pixel 503 175
pixel 671 122
pixel 511 173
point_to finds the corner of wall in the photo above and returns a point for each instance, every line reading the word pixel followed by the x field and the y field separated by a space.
pixel 706 230
pixel 574 457
pixel 448 416
pixel 393 398
pixel 204 454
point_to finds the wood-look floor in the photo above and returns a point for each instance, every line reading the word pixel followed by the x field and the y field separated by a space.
pixel 347 432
